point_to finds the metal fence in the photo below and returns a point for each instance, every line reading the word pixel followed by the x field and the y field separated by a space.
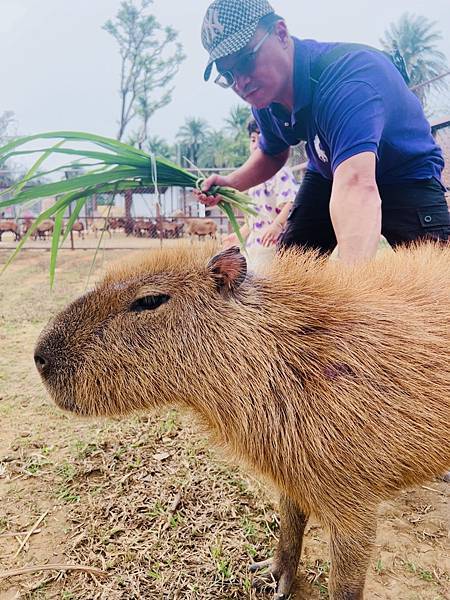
pixel 117 232
pixel 441 132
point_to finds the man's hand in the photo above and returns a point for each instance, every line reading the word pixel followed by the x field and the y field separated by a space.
pixel 209 183
pixel 257 168
pixel 271 234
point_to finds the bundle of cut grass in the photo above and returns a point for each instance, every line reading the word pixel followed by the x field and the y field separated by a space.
pixel 110 167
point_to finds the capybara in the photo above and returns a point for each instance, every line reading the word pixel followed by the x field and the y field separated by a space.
pixel 330 382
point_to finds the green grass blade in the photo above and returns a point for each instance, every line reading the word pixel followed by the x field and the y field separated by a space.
pixel 73 217
pixel 69 185
pixel 108 158
pixel 91 269
pixel 114 145
pixel 55 243
pixel 114 168
pixel 111 176
pixel 62 168
pixel 234 224
pixel 242 207
pixel 36 166
pixel 42 217
pixel 111 144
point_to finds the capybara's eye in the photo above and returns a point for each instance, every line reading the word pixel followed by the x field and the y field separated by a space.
pixel 149 302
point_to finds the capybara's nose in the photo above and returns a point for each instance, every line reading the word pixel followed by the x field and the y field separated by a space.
pixel 42 362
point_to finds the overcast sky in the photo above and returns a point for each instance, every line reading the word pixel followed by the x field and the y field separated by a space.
pixel 60 70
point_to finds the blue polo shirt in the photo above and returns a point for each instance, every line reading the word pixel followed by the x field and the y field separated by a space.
pixel 360 104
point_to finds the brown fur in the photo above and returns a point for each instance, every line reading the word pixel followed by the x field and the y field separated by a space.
pixel 144 227
pixel 169 229
pixel 44 230
pixel 201 227
pixel 332 383
pixel 116 223
pixel 9 225
pixel 79 226
pixel 102 225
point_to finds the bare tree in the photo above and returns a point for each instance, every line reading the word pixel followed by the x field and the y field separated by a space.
pixel 7 120
pixel 150 57
pixel 7 130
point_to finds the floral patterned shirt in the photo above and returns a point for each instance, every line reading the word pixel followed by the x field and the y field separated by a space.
pixel 269 198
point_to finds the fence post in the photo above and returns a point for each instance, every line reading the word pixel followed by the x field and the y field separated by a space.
pixel 159 221
pixel 72 247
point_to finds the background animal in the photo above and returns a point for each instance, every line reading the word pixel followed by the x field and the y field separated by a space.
pixel 78 226
pixel 27 223
pixel 44 230
pixel 170 229
pixel 11 226
pixel 144 227
pixel 198 227
pixel 100 224
pixel 331 383
pixel 116 223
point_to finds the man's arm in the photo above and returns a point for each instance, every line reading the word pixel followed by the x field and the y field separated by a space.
pixel 258 168
pixel 355 208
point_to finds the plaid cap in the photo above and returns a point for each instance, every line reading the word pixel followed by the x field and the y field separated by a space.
pixel 229 25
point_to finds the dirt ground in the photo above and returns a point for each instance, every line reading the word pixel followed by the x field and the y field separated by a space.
pixel 146 500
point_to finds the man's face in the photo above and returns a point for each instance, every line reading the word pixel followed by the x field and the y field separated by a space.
pixel 260 85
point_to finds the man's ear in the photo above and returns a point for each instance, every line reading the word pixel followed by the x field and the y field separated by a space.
pixel 228 269
pixel 282 33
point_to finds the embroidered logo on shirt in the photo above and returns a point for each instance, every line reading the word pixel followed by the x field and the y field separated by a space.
pixel 319 150
pixel 212 27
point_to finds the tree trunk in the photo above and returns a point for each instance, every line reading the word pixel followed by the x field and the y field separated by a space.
pixel 128 203
pixel 129 223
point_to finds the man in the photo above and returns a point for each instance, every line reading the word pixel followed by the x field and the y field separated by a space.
pixel 374 166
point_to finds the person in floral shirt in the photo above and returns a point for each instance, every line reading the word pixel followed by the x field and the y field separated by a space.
pixel 272 201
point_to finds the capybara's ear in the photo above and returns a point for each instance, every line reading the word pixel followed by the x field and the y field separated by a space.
pixel 229 269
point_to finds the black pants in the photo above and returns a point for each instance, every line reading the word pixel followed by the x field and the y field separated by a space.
pixel 410 211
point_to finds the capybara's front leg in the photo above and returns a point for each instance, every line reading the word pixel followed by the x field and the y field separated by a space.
pixel 283 567
pixel 350 557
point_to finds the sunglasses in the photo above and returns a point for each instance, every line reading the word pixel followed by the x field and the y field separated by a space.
pixel 245 65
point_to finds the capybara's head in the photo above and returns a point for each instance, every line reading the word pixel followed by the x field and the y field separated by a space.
pixel 150 333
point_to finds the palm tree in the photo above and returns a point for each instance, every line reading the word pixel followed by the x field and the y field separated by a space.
pixel 215 152
pixel 236 122
pixel 236 126
pixel 159 147
pixel 191 136
pixel 415 37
